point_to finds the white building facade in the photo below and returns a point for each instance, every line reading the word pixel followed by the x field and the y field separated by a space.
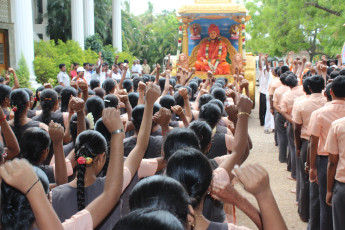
pixel 24 21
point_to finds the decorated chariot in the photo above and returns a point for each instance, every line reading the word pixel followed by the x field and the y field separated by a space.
pixel 212 37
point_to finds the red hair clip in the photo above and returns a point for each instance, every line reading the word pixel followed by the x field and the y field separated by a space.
pixel 4 155
pixel 14 109
pixel 81 160
pixel 35 99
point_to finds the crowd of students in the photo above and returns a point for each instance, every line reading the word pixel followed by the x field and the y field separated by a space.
pixel 308 105
pixel 148 152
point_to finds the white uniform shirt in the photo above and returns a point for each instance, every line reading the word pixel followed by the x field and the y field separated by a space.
pixel 63 77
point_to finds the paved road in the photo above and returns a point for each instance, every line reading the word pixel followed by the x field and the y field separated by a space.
pixel 265 153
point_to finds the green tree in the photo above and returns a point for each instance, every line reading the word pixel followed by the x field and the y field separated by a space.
pixel 59 20
pixel 23 72
pixel 278 26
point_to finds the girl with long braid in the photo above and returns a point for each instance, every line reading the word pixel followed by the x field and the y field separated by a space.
pixel 90 149
pixel 19 100
pixel 49 104
pixel 37 98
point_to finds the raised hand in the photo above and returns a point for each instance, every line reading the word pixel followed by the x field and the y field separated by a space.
pixel 209 75
pixel 254 178
pixel 232 112
pixel 304 59
pixel 193 70
pixel 244 104
pixel 141 87
pixel 111 119
pixel 123 98
pixel 76 104
pixel 230 93
pixel 244 83
pixel 19 174
pixel 203 91
pixel 152 93
pixel 183 92
pixel 163 116
pixel 11 70
pixel 82 85
pixel 177 109
pixel 47 86
pixel 122 92
pixel 56 132
pixel 158 67
pixel 74 85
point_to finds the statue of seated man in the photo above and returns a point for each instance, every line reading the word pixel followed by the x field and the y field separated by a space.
pixel 212 54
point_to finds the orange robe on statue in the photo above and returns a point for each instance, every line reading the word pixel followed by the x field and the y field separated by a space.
pixel 223 67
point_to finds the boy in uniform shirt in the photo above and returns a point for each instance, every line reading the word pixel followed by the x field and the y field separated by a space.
pixel 286 106
pixel 335 145
pixel 318 128
pixel 301 112
pixel 280 120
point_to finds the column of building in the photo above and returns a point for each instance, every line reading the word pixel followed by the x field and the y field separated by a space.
pixel 117 31
pixel 77 13
pixel 24 37
pixel 89 18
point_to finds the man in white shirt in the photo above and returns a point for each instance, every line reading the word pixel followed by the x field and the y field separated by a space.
pixel 62 77
pixel 263 87
pixel 140 68
pixel 116 73
pixel 135 68
pixel 87 74
pixel 102 72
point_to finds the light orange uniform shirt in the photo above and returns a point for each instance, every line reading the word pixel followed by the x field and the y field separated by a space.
pixel 289 97
pixel 320 122
pixel 335 144
pixel 275 84
pixel 303 109
pixel 80 221
pixel 278 94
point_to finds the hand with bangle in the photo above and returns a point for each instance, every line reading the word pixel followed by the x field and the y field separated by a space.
pixel 20 175
pixel 112 120
pixel 244 106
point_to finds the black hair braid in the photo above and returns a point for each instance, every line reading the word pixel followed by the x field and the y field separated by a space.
pixel 39 89
pixel 16 120
pixel 46 110
pixel 48 100
pixel 18 99
pixel 80 186
pixel 84 151
pixel 46 117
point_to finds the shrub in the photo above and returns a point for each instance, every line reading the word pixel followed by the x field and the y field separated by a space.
pixel 48 56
